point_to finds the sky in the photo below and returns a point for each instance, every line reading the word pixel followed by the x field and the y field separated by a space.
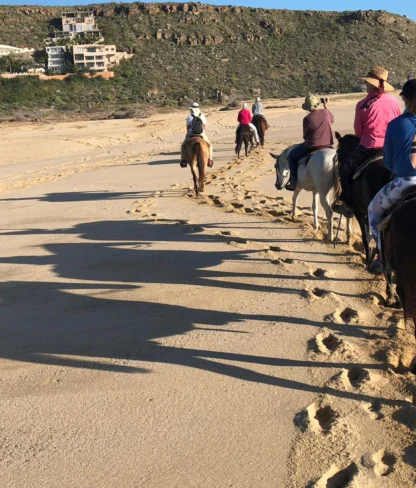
pixel 403 7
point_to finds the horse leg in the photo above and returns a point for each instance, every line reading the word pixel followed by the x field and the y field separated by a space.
pixel 349 230
pixel 329 217
pixel 392 298
pixel 238 149
pixel 294 200
pixel 362 222
pixel 195 179
pixel 315 208
pixel 201 169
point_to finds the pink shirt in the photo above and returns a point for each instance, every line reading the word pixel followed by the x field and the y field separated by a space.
pixel 371 124
pixel 244 116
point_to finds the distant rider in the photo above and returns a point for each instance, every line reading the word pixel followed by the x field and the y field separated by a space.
pixel 196 125
pixel 317 133
pixel 257 108
pixel 400 159
pixel 244 118
pixel 372 116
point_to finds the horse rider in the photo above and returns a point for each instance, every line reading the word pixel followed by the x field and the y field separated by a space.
pixel 257 108
pixel 400 159
pixel 372 116
pixel 196 125
pixel 317 133
pixel 244 118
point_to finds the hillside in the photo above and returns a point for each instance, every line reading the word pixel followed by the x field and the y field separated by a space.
pixel 206 52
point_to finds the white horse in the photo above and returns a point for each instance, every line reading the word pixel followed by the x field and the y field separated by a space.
pixel 320 176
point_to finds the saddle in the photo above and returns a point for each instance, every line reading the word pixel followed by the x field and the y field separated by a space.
pixel 305 160
pixel 408 195
pixel 194 136
pixel 372 159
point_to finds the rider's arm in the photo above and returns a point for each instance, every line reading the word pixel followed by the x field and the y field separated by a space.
pixel 388 150
pixel 413 153
pixel 305 128
pixel 204 122
pixel 358 123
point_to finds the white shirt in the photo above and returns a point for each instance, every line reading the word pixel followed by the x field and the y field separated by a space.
pixel 190 118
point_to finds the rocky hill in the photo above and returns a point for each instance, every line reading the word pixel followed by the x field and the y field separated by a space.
pixel 207 52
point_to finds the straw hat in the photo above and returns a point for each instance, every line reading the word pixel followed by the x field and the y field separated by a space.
pixel 311 102
pixel 376 75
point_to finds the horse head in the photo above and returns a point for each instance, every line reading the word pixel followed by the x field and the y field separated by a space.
pixel 282 168
pixel 346 146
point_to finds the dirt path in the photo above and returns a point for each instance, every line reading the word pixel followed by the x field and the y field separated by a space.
pixel 153 339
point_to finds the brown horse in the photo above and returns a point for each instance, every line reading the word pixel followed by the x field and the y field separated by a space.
pixel 261 125
pixel 400 245
pixel 196 155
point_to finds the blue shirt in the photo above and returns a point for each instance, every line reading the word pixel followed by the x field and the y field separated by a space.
pixel 397 145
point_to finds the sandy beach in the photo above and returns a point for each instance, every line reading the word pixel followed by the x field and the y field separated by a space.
pixel 154 339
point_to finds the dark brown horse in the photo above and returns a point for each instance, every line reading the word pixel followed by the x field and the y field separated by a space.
pixel 364 188
pixel 261 125
pixel 400 245
pixel 244 135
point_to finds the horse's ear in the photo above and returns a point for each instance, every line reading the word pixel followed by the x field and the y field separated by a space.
pixel 274 156
pixel 338 136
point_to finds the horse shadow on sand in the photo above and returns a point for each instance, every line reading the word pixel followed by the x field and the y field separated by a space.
pixel 95 316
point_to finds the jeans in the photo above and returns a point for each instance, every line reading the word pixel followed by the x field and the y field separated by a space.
pixel 387 198
pixel 294 157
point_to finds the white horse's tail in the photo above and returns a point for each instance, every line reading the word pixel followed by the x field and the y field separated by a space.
pixel 337 182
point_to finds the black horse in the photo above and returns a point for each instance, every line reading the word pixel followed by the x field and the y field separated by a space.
pixel 400 245
pixel 372 179
pixel 244 135
pixel 365 187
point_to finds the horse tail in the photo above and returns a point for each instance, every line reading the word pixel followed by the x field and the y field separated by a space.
pixel 201 163
pixel 337 181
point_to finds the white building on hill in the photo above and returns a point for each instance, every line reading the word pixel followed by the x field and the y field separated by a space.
pixel 6 50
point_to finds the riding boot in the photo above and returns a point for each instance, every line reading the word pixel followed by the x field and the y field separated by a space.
pixel 343 209
pixel 291 186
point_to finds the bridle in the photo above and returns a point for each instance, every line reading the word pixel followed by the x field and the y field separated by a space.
pixel 284 175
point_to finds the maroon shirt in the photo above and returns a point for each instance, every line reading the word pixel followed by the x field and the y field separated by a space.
pixel 317 128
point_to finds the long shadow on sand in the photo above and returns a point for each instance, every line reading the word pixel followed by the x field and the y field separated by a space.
pixel 79 320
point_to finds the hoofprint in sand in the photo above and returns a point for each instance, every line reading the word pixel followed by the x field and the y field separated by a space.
pixel 258 355
pixel 359 429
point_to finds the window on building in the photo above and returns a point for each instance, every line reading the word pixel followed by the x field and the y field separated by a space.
pixel 100 65
pixel 92 49
pixel 79 57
